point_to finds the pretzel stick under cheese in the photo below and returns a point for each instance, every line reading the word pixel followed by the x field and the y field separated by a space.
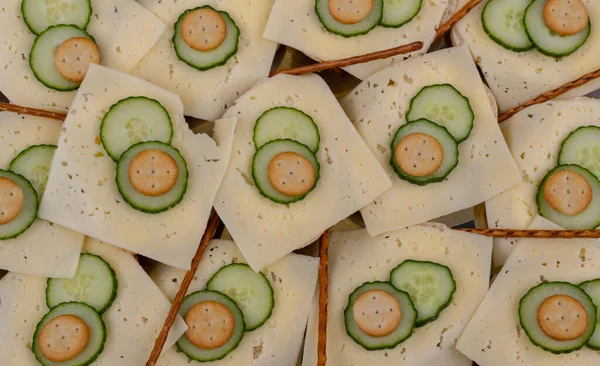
pixel 323 299
pixel 32 111
pixel 546 234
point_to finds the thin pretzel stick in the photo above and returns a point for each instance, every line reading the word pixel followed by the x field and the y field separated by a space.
pixel 323 299
pixel 321 66
pixel 211 227
pixel 547 234
pixel 444 28
pixel 31 111
pixel 550 95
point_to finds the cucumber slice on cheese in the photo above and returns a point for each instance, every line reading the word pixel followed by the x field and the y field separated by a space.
pixel 545 40
pixel 396 13
pixel 133 120
pixel 286 123
pixel 402 304
pixel 530 321
pixel 97 334
pixel 502 21
pixel 21 219
pixel 348 30
pixel 41 58
pixel 582 147
pixel 34 164
pixel 250 290
pixel 95 284
pixel 592 288
pixel 39 15
pixel 194 352
pixel 430 286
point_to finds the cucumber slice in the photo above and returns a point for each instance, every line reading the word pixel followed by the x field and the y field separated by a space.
pixel 41 14
pixel 41 59
pixel 546 41
pixel 286 123
pixel 206 60
pixel 260 166
pixel 34 164
pixel 206 355
pixel 586 220
pixel 140 201
pixel 582 147
pixel 348 30
pixel 402 332
pixel 446 106
pixel 528 309
pixel 503 22
pixel 251 291
pixel 133 120
pixel 29 210
pixel 396 13
pixel 592 288
pixel 449 145
pixel 95 284
pixel 97 334
pixel 430 286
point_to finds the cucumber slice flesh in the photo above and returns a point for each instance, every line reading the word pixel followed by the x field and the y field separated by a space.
pixel 546 41
pixel 592 288
pixel 586 220
pixel 348 30
pixel 503 22
pixel 260 168
pixel 446 106
pixel 204 355
pixel 582 147
pixel 41 14
pixel 95 284
pixel 28 213
pixel 251 291
pixel 206 60
pixel 396 13
pixel 449 145
pixel 286 123
pixel 402 332
pixel 430 286
pixel 97 334
pixel 528 308
pixel 41 59
pixel 34 164
pixel 140 201
pixel 134 120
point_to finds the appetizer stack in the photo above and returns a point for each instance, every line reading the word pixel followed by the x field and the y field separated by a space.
pixel 111 204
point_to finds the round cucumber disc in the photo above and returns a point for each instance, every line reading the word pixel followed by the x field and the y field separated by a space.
pixel 502 21
pixel 592 288
pixel 281 123
pixel 34 164
pixel 582 147
pixel 41 14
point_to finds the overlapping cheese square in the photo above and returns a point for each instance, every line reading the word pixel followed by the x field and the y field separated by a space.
pixel 534 137
pixel 494 336
pixel 45 249
pixel 516 77
pixel 123 29
pixel 279 340
pixel 294 23
pixel 378 107
pixel 132 322
pixel 81 192
pixel 356 258
pixel 350 177
pixel 207 94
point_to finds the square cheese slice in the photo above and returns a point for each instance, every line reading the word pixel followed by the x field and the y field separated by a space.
pixel 132 322
pixel 378 107
pixel 356 258
pixel 294 23
pixel 45 249
pixel 278 341
pixel 494 336
pixel 534 137
pixel 516 77
pixel 123 29
pixel 207 94
pixel 82 194
pixel 350 177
